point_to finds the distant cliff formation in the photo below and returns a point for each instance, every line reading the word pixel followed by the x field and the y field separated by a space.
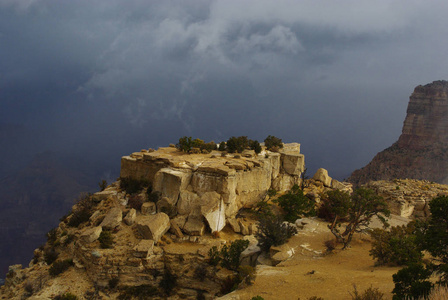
pixel 421 152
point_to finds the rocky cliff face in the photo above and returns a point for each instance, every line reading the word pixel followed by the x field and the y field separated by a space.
pixel 421 151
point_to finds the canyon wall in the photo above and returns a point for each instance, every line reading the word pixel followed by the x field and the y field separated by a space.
pixel 421 151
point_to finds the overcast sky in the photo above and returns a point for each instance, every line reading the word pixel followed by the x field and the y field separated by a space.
pixel 110 77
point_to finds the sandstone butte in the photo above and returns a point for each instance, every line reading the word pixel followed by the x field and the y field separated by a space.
pixel 421 151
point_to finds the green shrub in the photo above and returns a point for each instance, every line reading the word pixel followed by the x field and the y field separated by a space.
pixel 132 185
pixel 255 145
pixel 230 255
pixel 273 143
pixel 272 231
pixel 50 255
pixel 66 296
pixel 52 236
pixel 222 146
pixel 60 266
pixel 369 294
pixel 296 205
pixel 412 282
pixel 214 256
pixel 257 298
pixel 396 246
pixel 82 211
pixel 154 197
pixel 102 184
pixel 237 144
pixel 106 240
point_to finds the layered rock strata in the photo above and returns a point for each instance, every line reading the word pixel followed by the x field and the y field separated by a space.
pixel 215 186
pixel 421 151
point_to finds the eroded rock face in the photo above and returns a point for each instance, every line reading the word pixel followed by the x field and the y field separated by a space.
pixel 237 180
pixel 421 152
pixel 154 226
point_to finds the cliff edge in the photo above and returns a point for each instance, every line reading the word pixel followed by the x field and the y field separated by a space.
pixel 421 150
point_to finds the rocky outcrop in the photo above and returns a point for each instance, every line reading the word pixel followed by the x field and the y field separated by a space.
pixel 213 187
pixel 421 151
pixel 408 197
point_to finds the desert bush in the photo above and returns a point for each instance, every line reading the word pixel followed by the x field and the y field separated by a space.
pixel 102 185
pixel 272 231
pixel 230 255
pixel 52 236
pixel 66 296
pixel 237 144
pixel 135 202
pixel 50 255
pixel 273 143
pixel 82 211
pixel 330 245
pixel 296 205
pixel 154 197
pixel 132 185
pixel 214 256
pixel 222 146
pixel 168 282
pixel 396 246
pixel 141 292
pixel 60 266
pixel 106 240
pixel 246 274
pixel 369 294
pixel 412 282
pixel 257 298
pixel 255 145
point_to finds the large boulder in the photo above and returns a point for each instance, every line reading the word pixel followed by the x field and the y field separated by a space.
pixel 113 218
pixel 130 217
pixel 194 225
pixel 90 234
pixel 170 183
pixel 213 211
pixel 187 201
pixel 153 227
pixel 293 163
pixel 322 176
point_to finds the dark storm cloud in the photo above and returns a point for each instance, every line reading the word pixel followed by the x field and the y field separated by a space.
pixel 124 75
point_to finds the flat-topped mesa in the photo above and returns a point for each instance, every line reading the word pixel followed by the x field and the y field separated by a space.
pixel 233 181
pixel 427 116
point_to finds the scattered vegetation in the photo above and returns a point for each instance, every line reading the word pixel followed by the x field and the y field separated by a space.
pixel 273 143
pixel 50 255
pixel 60 266
pixel 188 145
pixel 296 205
pixel 228 256
pixel 106 239
pixel 369 294
pixel 103 185
pixel 113 283
pixel 357 210
pixel 411 282
pixel 82 211
pixel 257 298
pixel 396 246
pixel 133 186
pixel 272 231
pixel 66 296
pixel 201 272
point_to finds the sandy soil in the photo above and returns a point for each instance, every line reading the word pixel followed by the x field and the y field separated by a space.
pixel 330 276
